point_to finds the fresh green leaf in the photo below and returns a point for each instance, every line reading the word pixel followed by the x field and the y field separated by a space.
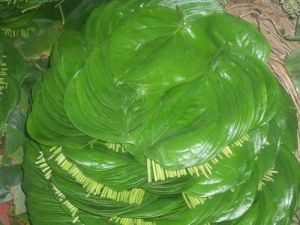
pixel 160 112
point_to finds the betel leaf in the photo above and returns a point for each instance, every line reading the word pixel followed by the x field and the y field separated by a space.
pixel 50 106
pixel 160 113
pixel 18 16
pixel 40 43
pixel 15 22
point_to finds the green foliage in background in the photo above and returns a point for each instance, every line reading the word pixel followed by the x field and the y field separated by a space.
pixel 17 17
pixel 16 73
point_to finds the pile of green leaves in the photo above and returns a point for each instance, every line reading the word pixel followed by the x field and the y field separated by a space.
pixel 161 112
pixel 18 61
pixel 28 30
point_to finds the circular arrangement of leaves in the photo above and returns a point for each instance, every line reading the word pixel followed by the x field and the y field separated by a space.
pixel 161 112
pixel 151 113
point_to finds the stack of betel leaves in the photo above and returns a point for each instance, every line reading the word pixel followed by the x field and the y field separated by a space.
pixel 161 112
pixel 28 30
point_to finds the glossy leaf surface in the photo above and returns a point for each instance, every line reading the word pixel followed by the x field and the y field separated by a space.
pixel 160 113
